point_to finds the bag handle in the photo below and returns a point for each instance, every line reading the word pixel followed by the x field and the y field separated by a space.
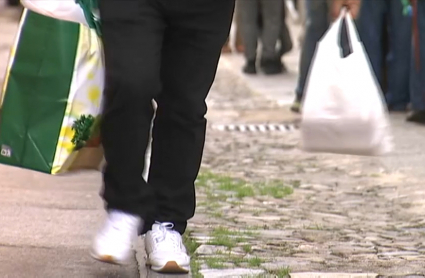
pixel 348 37
pixel 333 35
pixel 344 18
pixel 353 35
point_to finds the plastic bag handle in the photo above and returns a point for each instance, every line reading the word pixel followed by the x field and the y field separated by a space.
pixel 346 34
pixel 352 30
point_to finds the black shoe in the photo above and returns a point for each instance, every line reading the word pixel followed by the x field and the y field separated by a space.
pixel 272 66
pixel 250 67
pixel 417 117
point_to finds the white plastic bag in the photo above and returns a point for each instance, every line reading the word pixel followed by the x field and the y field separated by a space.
pixel 343 109
pixel 67 10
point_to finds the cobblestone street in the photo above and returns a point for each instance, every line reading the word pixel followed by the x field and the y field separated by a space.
pixel 267 209
pixel 346 214
pixel 309 212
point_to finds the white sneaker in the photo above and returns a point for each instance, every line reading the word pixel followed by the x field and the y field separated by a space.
pixel 113 244
pixel 165 250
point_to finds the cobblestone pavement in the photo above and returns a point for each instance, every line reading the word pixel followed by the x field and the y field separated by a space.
pixel 346 213
pixel 289 211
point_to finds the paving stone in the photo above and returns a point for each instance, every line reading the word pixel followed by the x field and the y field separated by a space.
pixel 209 249
pixel 333 275
pixel 237 272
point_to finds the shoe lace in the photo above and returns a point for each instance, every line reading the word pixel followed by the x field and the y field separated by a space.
pixel 165 237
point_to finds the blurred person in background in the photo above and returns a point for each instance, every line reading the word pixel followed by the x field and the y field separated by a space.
pixel 271 15
pixel 13 3
pixel 317 22
pixel 238 41
pixel 285 39
pixel 319 14
pixel 379 19
pixel 417 64
pixel 284 42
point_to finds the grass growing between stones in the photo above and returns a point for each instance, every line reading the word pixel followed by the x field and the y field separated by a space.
pixel 231 247
pixel 240 188
pixel 216 262
pixel 247 248
pixel 233 241
pixel 276 190
pixel 281 273
pixel 222 236
pixel 226 261
pixel 191 246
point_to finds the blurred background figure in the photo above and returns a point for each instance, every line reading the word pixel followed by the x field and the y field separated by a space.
pixel 417 64
pixel 386 34
pixel 13 3
pixel 317 22
pixel 238 41
pixel 269 33
pixel 284 41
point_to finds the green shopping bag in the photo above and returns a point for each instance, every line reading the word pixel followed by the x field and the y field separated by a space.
pixel 51 101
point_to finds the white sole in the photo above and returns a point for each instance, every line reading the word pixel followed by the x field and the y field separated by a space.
pixel 169 267
pixel 109 259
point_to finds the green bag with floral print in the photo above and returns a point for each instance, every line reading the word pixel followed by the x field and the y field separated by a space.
pixel 51 101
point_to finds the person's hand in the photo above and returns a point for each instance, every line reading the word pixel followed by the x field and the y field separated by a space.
pixel 353 7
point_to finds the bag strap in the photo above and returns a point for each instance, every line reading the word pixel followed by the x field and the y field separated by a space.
pixel 352 29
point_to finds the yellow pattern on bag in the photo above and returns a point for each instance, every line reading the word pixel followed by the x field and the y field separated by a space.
pixel 85 98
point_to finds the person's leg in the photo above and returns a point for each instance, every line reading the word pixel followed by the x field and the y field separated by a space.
pixel 417 71
pixel 240 48
pixel 271 11
pixel 400 39
pixel 226 48
pixel 285 35
pixel 317 22
pixel 190 55
pixel 248 10
pixel 132 38
pixel 370 26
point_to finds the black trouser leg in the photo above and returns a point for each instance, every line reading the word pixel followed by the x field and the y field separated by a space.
pixel 192 47
pixel 132 37
pixel 167 50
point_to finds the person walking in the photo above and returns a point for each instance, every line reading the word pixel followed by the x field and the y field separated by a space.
pixel 239 47
pixel 271 15
pixel 319 14
pixel 167 51
pixel 398 28
pixel 417 64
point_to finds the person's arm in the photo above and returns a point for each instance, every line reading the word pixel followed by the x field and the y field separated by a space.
pixel 352 5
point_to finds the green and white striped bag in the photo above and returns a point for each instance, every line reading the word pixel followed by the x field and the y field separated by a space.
pixel 52 97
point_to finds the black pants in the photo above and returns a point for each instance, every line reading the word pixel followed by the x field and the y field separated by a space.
pixel 167 50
